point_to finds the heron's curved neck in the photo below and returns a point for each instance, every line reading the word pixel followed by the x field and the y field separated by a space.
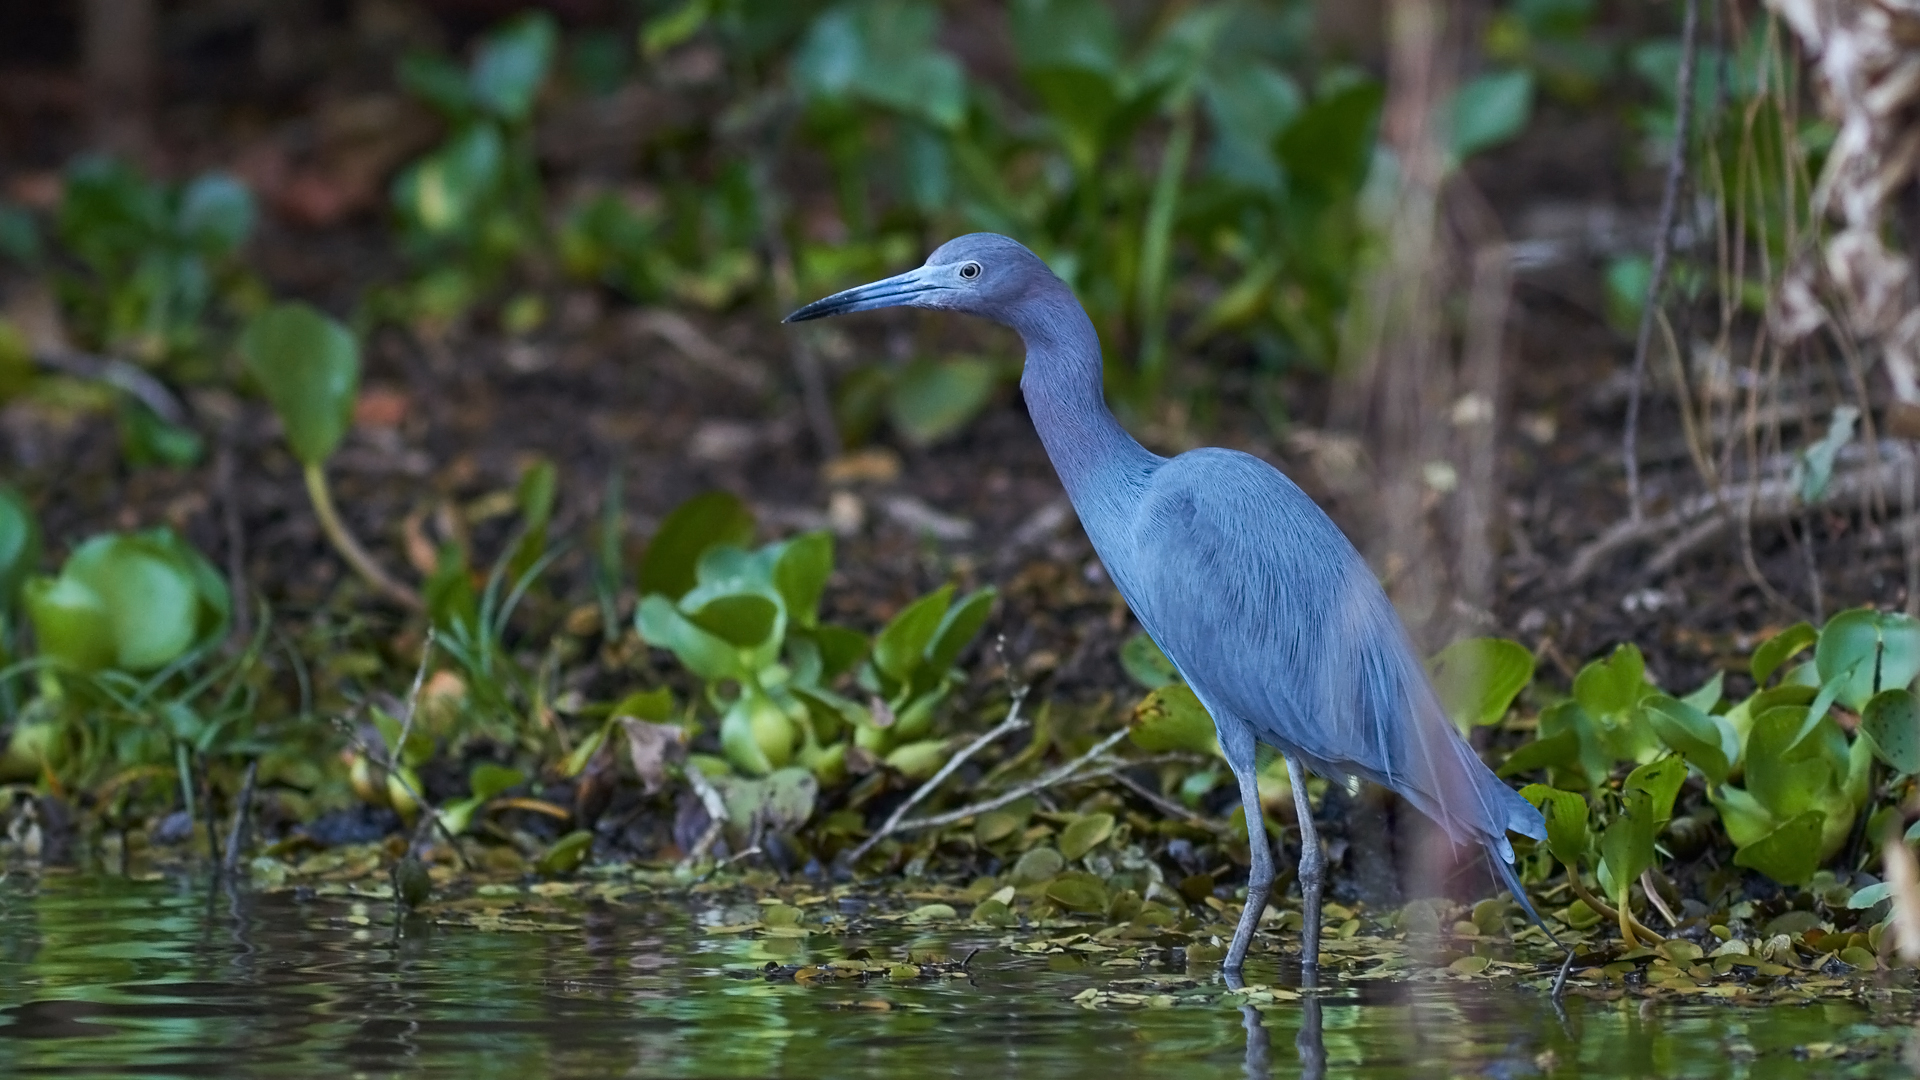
pixel 1099 463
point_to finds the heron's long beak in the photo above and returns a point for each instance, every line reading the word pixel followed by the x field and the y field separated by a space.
pixel 895 291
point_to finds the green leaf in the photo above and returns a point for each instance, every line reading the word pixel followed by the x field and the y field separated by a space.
pixel 1611 687
pixel 216 213
pixel 1489 110
pixel 1172 718
pixel 931 400
pixel 1899 651
pixel 1788 772
pixel 309 367
pixel 1559 751
pixel 71 623
pixel 902 643
pixel 663 32
pixel 1065 34
pixel 488 780
pixel 702 522
pixel 743 620
pixel 1789 854
pixel 1849 655
pixel 1478 678
pixel 800 572
pixel 19 545
pixel 1078 891
pixel 1566 815
pixel 1705 742
pixel 511 65
pixel 566 854
pixel 918 760
pixel 443 192
pixel 1087 832
pixel 1082 103
pixel 654 706
pixel 160 597
pixel 1870 896
pixel 1626 847
pixel 756 734
pixel 1145 664
pixel 1328 149
pixel 1777 649
pixel 840 649
pixel 884 52
pixel 1661 781
pixel 438 82
pixel 1815 467
pixel 704 654
pixel 959 627
pixel 1891 721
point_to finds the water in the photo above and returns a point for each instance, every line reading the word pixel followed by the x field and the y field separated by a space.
pixel 102 976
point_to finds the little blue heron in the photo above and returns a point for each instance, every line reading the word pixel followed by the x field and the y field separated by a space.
pixel 1255 595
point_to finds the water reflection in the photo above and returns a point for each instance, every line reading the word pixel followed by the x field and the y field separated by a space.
pixel 101 975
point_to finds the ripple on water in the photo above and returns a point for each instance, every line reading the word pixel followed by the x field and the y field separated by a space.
pixel 104 976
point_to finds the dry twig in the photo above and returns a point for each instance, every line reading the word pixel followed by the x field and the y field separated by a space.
pixel 1011 724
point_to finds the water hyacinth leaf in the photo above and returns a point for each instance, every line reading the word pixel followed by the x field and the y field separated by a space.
pixel 1082 104
pixel 1478 678
pixel 931 400
pixel 19 544
pixel 216 213
pixel 566 854
pixel 704 521
pixel 1087 832
pixel 1891 721
pixel 902 643
pixel 438 82
pixel 1566 815
pixel 1870 895
pixel 743 620
pixel 1709 694
pixel 1626 846
pixel 1145 664
pixel 1705 742
pixel 1815 467
pixel 1612 686
pixel 1065 34
pixel 1172 718
pixel 840 649
pixel 309 367
pixel 71 623
pixel 1789 854
pixel 885 53
pixel 1787 772
pixel 1558 751
pixel 919 759
pixel 1078 891
pixel 161 596
pixel 756 735
pixel 1328 148
pixel 441 192
pixel 511 65
pixel 488 780
pixel 959 627
pixel 1661 781
pixel 654 705
pixel 800 572
pixel 1779 648
pixel 662 624
pixel 1853 651
pixel 790 798
pixel 1489 110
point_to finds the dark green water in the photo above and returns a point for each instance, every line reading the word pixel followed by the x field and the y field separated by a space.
pixel 101 976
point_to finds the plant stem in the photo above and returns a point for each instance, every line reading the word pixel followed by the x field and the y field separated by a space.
pixel 1662 249
pixel 349 548
pixel 1156 248
pixel 1607 911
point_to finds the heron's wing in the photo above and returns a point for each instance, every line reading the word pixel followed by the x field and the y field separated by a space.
pixel 1273 617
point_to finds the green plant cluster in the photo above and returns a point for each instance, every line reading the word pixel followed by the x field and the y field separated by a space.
pixel 747 624
pixel 1809 769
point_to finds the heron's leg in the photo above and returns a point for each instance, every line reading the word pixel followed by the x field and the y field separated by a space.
pixel 1313 870
pixel 1260 875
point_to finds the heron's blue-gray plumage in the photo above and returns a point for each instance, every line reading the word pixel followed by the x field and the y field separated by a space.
pixel 1252 592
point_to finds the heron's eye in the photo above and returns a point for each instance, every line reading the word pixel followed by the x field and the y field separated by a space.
pixel 970 270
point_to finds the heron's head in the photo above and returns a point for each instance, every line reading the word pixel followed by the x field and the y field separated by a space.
pixel 982 274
